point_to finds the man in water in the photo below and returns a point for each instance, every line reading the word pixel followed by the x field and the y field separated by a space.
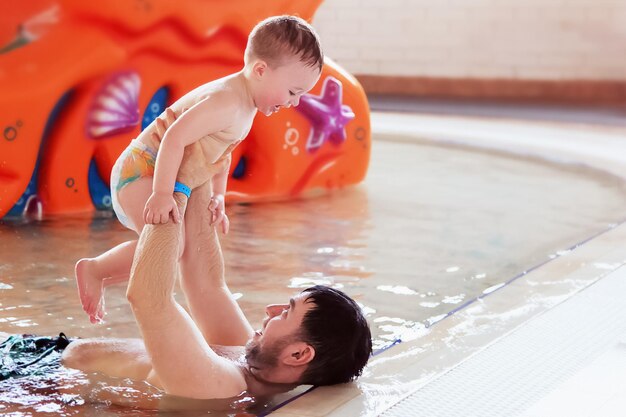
pixel 319 337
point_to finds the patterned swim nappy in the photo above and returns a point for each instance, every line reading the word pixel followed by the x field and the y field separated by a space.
pixel 137 161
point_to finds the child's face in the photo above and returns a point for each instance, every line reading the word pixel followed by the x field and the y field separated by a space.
pixel 284 85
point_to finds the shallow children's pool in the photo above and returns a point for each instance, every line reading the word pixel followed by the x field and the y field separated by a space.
pixel 431 228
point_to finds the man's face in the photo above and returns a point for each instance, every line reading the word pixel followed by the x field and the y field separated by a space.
pixel 284 85
pixel 280 328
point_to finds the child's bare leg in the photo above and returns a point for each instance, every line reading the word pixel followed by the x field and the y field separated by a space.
pixel 92 275
pixel 113 266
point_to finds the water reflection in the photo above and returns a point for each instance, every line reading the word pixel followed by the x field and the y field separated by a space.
pixel 429 229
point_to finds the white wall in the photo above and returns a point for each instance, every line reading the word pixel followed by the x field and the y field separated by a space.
pixel 512 39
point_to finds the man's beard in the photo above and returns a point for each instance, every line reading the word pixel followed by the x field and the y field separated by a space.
pixel 263 358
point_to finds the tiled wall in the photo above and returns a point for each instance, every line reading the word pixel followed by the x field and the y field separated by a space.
pixel 509 39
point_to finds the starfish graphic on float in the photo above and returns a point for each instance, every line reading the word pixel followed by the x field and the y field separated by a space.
pixel 327 114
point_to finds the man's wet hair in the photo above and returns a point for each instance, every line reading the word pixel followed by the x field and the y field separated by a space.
pixel 336 328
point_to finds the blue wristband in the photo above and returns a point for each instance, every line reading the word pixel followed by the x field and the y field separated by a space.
pixel 179 187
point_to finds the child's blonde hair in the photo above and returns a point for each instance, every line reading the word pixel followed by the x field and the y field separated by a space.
pixel 279 36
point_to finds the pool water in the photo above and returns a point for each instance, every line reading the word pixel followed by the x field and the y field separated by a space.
pixel 430 228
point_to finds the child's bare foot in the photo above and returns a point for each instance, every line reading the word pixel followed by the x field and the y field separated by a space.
pixel 90 290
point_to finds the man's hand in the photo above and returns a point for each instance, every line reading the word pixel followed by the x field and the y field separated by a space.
pixel 158 209
pixel 195 169
pixel 218 212
pixel 163 122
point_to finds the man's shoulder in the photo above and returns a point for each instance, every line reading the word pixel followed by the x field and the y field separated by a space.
pixel 234 353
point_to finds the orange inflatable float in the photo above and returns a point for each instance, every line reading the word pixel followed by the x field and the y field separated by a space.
pixel 80 79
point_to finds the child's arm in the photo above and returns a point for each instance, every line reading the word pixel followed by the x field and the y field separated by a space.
pixel 217 205
pixel 208 116
pixel 220 180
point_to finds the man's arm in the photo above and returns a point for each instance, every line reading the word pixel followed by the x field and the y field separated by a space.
pixel 121 358
pixel 181 358
pixel 212 305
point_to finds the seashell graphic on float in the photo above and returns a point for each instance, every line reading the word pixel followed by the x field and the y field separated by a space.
pixel 115 108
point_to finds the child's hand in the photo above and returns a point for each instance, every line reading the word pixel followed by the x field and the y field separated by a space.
pixel 158 209
pixel 218 212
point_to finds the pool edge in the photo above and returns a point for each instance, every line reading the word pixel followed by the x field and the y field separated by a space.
pixel 412 365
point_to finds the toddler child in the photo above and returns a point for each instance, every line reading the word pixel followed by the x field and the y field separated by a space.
pixel 282 61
